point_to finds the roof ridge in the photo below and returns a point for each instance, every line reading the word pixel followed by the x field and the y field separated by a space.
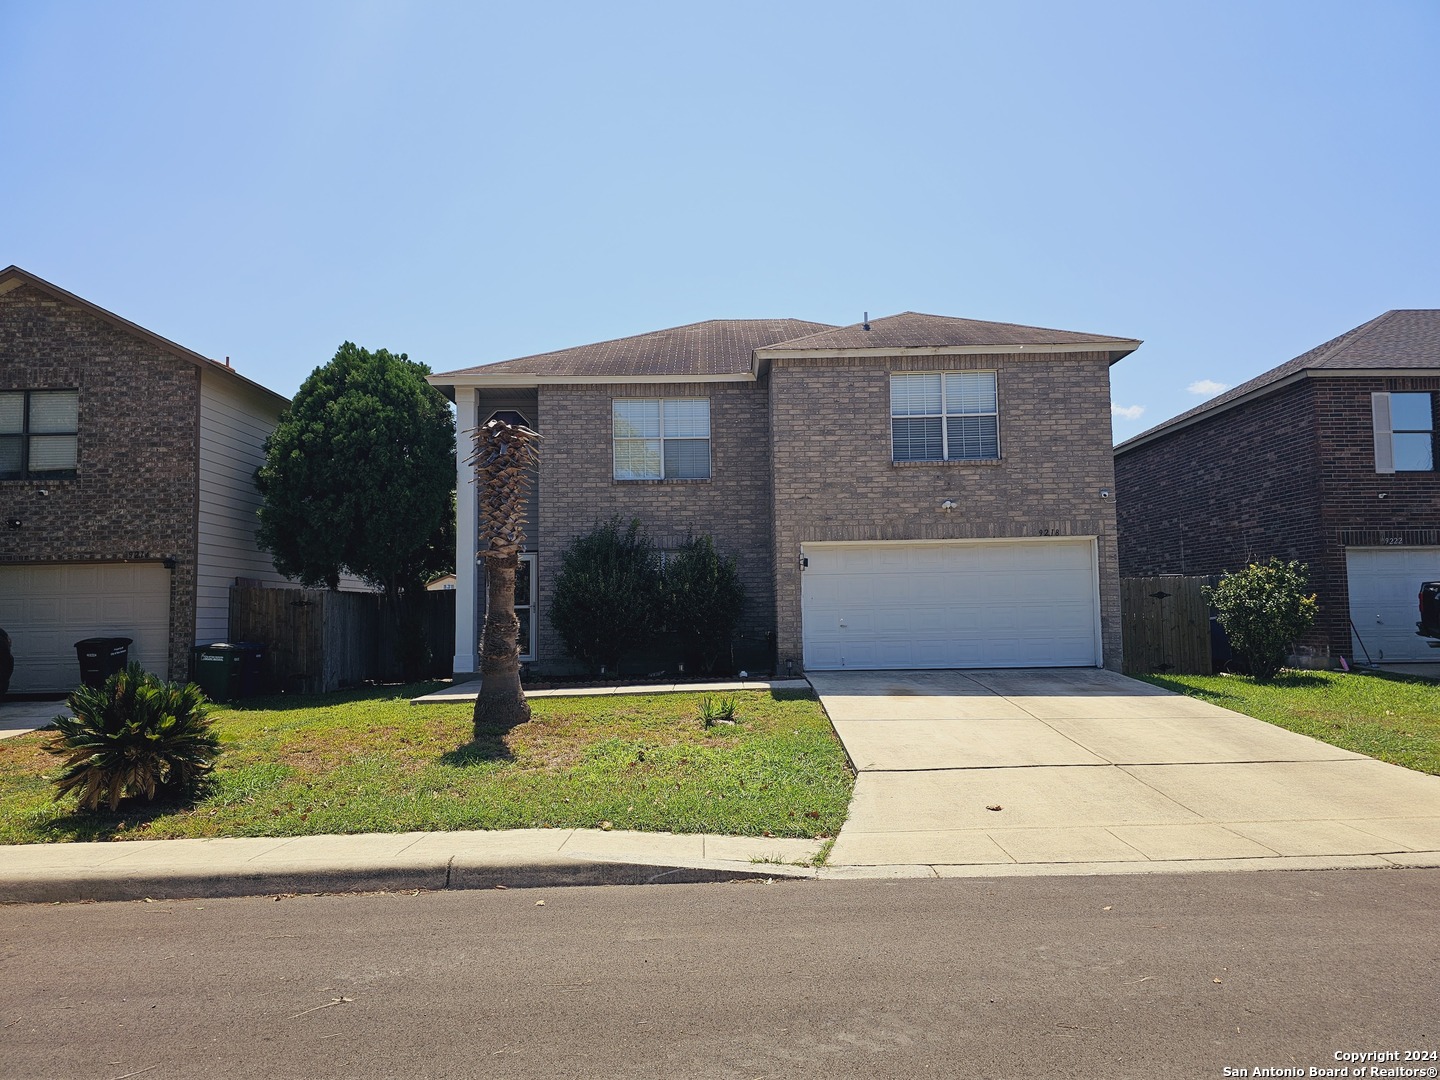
pixel 792 343
pixel 646 334
pixel 1345 340
pixel 1317 358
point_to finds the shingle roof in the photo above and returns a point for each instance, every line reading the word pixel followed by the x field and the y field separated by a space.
pixel 1398 340
pixel 714 347
pixel 915 330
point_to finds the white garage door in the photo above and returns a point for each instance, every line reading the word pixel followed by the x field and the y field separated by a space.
pixel 955 604
pixel 46 609
pixel 1384 601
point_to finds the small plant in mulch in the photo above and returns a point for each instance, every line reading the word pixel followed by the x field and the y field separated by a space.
pixel 135 738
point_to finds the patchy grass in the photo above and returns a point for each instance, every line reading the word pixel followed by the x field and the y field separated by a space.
pixel 369 761
pixel 1395 718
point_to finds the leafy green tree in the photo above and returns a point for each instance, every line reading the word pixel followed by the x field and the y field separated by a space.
pixel 605 602
pixel 1264 608
pixel 358 477
pixel 702 598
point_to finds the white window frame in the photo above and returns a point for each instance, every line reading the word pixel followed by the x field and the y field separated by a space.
pixel 944 415
pixel 1385 431
pixel 528 648
pixel 661 438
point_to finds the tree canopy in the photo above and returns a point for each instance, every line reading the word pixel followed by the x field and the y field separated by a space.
pixel 358 474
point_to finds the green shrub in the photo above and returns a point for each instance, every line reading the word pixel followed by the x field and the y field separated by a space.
pixel 1263 609
pixel 605 601
pixel 702 599
pixel 136 737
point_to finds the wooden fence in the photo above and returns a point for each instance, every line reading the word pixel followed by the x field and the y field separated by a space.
pixel 320 640
pixel 1165 625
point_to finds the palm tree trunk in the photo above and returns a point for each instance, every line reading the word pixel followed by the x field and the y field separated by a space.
pixel 501 703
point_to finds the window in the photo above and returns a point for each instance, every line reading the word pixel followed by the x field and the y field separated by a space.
pixel 38 433
pixel 949 416
pixel 665 439
pixel 525 604
pixel 1404 432
pixel 510 416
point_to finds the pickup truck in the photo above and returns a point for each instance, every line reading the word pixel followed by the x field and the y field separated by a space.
pixel 1429 623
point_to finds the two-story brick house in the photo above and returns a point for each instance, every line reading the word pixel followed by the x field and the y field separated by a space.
pixel 911 492
pixel 127 500
pixel 1329 458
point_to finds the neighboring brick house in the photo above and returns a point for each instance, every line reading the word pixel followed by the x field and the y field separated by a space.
pixel 127 501
pixel 1329 458
pixel 911 492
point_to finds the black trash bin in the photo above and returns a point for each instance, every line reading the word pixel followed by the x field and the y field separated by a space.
pixel 253 677
pixel 101 657
pixel 216 670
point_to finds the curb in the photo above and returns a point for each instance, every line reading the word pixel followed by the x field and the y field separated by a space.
pixel 58 887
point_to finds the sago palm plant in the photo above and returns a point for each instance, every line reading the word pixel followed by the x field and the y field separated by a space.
pixel 136 737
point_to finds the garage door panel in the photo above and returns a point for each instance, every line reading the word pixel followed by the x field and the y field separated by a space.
pixel 1383 586
pixel 47 608
pixel 961 604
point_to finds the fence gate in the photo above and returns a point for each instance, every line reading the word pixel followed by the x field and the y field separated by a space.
pixel 1165 625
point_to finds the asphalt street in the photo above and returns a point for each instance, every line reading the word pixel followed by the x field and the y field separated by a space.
pixel 1089 977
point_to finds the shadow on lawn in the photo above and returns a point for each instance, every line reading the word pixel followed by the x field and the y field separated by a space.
pixel 487 746
pixel 132 816
pixel 289 702
pixel 1286 680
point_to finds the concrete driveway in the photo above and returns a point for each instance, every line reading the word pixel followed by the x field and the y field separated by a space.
pixel 1082 770
pixel 23 717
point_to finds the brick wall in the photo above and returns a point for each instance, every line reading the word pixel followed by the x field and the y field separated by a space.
pixel 1223 492
pixel 1280 476
pixel 1351 489
pixel 133 498
pixel 577 488
pixel 834 479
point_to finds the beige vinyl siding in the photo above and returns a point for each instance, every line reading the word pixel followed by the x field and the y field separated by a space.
pixel 234 422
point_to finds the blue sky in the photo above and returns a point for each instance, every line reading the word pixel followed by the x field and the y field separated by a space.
pixel 467 182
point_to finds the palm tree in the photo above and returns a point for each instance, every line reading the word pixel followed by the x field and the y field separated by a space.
pixel 505 455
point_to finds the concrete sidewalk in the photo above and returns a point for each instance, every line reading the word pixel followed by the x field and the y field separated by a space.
pixel 517 858
pixel 1085 771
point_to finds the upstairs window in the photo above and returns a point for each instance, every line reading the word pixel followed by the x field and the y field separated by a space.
pixel 39 432
pixel 661 438
pixel 944 416
pixel 1404 432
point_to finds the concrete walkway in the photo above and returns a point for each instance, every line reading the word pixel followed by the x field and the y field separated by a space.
pixel 466 691
pixel 1086 771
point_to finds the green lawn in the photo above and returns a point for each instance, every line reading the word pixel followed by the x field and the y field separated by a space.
pixel 1391 717
pixel 369 761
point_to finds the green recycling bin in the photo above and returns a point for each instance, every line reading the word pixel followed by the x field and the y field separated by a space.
pixel 216 670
